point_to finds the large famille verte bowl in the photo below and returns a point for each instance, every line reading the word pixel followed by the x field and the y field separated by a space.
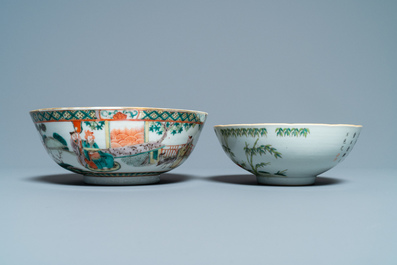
pixel 119 146
pixel 287 154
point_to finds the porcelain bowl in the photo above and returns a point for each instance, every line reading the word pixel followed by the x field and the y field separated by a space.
pixel 287 154
pixel 119 145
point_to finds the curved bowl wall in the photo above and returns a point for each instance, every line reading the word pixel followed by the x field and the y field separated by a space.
pixel 119 145
pixel 287 154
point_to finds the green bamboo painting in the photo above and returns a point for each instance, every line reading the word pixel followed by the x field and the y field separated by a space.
pixel 244 132
pixel 251 152
pixel 293 132
pixel 255 150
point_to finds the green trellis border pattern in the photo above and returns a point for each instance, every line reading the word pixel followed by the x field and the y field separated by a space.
pixel 144 115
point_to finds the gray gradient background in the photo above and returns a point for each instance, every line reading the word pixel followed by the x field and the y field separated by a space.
pixel 240 61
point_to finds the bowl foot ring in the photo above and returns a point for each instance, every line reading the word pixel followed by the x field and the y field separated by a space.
pixel 136 180
pixel 285 181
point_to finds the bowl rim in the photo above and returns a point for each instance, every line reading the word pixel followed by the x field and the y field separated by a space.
pixel 116 108
pixel 288 124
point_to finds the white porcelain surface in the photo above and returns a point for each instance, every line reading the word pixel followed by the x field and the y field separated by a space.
pixel 287 154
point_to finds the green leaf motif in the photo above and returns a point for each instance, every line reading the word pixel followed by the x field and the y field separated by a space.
pixel 253 132
pixel 277 155
pixel 262 164
pixel 95 125
pixel 228 150
pixel 295 132
pixel 255 149
pixel 281 173
pixel 59 138
pixel 156 127
pixel 250 152
pixel 175 128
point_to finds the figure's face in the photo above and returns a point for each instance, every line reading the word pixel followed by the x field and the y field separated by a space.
pixel 75 136
pixel 90 139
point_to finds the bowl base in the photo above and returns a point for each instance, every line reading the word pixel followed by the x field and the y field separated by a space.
pixel 286 181
pixel 141 180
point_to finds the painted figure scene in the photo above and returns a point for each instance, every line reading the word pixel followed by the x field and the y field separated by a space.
pixel 110 146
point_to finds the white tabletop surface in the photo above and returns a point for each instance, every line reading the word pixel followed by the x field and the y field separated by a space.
pixel 212 216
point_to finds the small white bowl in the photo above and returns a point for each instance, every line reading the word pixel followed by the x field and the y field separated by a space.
pixel 285 153
pixel 119 145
